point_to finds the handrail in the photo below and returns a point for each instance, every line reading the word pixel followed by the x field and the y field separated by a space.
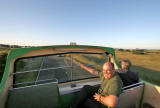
pixel 36 85
pixel 139 83
pixel 50 69
pixel 34 81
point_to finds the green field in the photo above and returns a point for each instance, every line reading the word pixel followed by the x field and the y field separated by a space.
pixel 145 65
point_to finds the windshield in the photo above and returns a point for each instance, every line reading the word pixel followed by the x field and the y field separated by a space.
pixel 56 68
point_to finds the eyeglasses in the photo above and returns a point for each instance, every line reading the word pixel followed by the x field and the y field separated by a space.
pixel 108 71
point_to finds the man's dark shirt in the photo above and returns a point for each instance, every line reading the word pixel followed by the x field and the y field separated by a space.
pixel 129 78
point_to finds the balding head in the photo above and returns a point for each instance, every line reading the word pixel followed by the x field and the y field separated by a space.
pixel 108 70
pixel 108 65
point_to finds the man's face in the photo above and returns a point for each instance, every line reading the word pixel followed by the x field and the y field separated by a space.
pixel 107 71
pixel 124 65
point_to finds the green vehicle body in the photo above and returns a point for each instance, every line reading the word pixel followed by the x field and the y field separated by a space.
pixel 49 96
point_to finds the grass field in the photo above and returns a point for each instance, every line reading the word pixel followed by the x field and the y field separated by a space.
pixel 3 49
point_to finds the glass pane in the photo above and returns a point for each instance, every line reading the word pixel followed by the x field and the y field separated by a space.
pixel 28 64
pixel 61 68
pixel 94 61
pixel 25 77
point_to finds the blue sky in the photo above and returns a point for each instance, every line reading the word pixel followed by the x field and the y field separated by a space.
pixel 112 23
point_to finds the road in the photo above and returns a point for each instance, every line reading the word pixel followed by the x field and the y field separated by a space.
pixel 54 62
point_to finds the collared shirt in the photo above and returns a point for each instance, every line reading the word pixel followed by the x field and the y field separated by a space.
pixel 112 86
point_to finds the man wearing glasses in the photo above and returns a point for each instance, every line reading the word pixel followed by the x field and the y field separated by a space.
pixel 105 95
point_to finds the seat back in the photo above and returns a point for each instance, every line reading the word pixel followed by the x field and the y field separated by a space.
pixel 131 96
pixel 40 96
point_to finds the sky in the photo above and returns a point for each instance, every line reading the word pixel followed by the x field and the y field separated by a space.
pixel 124 24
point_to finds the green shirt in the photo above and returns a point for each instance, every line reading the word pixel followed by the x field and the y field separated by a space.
pixel 112 86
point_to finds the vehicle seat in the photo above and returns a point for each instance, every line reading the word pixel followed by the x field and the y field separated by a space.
pixel 40 96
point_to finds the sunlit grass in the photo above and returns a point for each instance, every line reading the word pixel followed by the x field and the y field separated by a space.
pixel 150 61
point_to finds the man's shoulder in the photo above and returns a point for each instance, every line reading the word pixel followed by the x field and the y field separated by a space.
pixel 116 79
pixel 131 73
pixel 100 74
pixel 127 74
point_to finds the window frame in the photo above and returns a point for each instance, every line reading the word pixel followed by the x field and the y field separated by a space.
pixel 14 79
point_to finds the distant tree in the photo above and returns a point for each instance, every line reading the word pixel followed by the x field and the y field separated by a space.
pixel 4 45
pixel 138 51
pixel 128 50
pixel 121 49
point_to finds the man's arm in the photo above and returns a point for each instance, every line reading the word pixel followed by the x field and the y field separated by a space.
pixel 110 100
pixel 92 71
